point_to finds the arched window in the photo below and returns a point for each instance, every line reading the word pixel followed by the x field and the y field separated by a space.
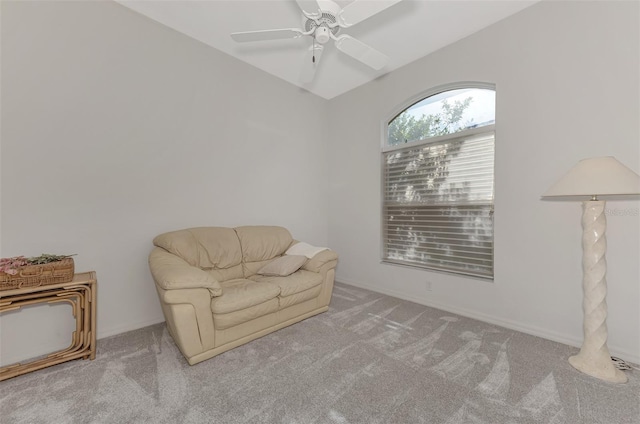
pixel 438 165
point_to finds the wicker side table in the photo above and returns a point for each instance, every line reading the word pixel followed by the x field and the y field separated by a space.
pixel 80 293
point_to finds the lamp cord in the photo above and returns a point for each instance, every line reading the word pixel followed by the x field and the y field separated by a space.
pixel 622 364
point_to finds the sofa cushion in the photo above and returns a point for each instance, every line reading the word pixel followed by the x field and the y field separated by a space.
pixel 295 283
pixel 204 247
pixel 261 243
pixel 241 294
pixel 224 274
pixel 283 266
pixel 294 299
pixel 225 321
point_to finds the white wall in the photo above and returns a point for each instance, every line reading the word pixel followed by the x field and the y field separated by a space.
pixel 116 128
pixel 567 82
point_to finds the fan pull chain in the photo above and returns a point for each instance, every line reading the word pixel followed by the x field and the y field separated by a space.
pixel 313 58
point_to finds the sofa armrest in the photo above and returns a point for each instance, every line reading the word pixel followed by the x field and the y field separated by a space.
pixel 189 318
pixel 172 272
pixel 321 259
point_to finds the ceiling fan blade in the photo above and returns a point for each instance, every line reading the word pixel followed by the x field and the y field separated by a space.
pixel 310 64
pixel 360 51
pixel 309 7
pixel 269 34
pixel 360 10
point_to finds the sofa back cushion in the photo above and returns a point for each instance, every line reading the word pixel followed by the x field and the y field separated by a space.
pixel 261 244
pixel 214 249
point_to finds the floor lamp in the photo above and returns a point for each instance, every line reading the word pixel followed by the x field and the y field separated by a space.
pixel 591 178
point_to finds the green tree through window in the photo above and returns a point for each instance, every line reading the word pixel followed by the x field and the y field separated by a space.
pixel 406 127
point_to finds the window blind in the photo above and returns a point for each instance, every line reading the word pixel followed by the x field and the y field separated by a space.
pixel 438 205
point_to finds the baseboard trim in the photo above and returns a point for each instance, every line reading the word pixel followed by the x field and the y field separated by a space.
pixel 633 357
pixel 126 328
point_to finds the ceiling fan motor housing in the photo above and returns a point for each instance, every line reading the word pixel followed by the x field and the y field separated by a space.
pixel 322 22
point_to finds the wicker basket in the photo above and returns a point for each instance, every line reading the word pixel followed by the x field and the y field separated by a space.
pixel 39 275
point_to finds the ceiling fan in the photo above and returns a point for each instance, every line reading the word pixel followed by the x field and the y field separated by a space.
pixel 322 20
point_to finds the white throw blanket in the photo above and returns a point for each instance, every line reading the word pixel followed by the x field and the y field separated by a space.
pixel 304 249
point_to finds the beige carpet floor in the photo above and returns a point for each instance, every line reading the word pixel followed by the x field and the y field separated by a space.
pixel 370 359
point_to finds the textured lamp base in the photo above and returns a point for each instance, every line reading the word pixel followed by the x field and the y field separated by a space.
pixel 601 368
pixel 594 358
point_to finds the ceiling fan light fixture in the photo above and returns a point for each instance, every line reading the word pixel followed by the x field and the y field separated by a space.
pixel 322 34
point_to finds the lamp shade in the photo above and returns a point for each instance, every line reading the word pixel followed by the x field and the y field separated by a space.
pixel 595 177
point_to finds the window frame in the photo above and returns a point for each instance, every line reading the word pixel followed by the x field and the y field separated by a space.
pixel 487 129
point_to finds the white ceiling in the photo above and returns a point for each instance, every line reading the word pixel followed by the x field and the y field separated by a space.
pixel 405 32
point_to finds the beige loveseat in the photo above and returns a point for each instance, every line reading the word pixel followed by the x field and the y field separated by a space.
pixel 212 296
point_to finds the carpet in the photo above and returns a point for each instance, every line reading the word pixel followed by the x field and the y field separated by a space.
pixel 370 359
